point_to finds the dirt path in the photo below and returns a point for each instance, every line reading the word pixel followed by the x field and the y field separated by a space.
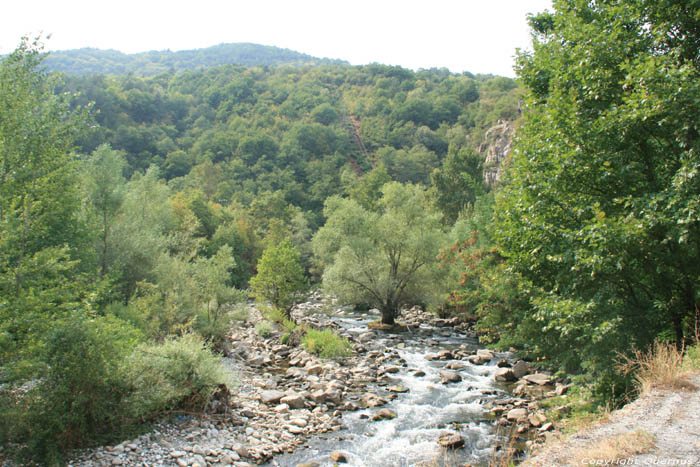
pixel 661 428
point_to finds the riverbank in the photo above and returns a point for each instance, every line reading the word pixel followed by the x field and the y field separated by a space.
pixel 293 408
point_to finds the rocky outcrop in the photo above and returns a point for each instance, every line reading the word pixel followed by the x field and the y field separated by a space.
pixel 495 148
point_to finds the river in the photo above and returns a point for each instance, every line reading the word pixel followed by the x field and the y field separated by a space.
pixel 426 410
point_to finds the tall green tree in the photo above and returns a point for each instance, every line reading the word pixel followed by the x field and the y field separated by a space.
pixel 104 186
pixel 602 213
pixel 386 258
pixel 38 196
pixel 280 279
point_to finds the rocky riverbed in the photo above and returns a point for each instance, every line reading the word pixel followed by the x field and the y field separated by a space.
pixel 398 400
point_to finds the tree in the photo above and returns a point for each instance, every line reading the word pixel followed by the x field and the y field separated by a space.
pixel 602 211
pixel 387 258
pixel 458 182
pixel 280 278
pixel 104 187
pixel 38 198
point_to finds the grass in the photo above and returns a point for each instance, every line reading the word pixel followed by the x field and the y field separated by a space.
pixel 326 344
pixel 663 366
pixel 574 410
pixel 615 449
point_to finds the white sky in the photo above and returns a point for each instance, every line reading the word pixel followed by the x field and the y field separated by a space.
pixel 479 36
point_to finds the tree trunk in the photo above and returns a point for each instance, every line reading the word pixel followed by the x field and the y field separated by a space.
pixel 388 315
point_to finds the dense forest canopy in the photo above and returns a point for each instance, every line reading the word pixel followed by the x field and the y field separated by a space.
pixel 95 61
pixel 254 134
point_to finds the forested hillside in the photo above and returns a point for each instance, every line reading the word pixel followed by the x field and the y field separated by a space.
pixel 95 61
pixel 294 135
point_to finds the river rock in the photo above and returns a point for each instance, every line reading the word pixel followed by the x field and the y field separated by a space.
pixel 294 401
pixel 478 359
pixel 505 374
pixel 454 366
pixel 536 419
pixel 516 414
pixel 450 440
pixel 521 368
pixel 546 427
pixel 384 414
pixel 449 376
pixel 309 464
pixel 339 457
pixel 419 373
pixel 538 378
pixel 397 388
pixel 271 397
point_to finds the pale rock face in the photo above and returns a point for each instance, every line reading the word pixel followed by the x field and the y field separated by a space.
pixel 497 145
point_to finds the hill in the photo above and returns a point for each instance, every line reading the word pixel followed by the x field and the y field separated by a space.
pixel 89 61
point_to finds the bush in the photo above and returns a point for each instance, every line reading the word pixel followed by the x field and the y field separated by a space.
pixel 264 328
pixel 326 344
pixel 180 373
pixel 77 399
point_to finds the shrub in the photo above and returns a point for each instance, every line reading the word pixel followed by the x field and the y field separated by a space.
pixel 180 373
pixel 77 399
pixel 264 328
pixel 326 344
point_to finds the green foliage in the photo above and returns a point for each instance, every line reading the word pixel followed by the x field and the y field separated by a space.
pixel 280 279
pixel 385 258
pixel 601 212
pixel 180 373
pixel 104 185
pixel 458 183
pixel 77 399
pixel 264 328
pixel 38 196
pixel 326 344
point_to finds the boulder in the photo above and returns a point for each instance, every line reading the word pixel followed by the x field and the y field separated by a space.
pixel 384 414
pixel 538 378
pixel 455 366
pixel 339 457
pixel 536 419
pixel 448 376
pixel 521 369
pixel 505 374
pixel 397 388
pixel 271 397
pixel 546 427
pixel 516 414
pixel 294 401
pixel 478 359
pixel 450 440
pixel 333 395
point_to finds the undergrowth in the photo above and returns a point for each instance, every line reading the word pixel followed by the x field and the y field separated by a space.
pixel 326 344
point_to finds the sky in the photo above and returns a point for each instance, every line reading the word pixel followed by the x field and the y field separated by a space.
pixel 479 36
